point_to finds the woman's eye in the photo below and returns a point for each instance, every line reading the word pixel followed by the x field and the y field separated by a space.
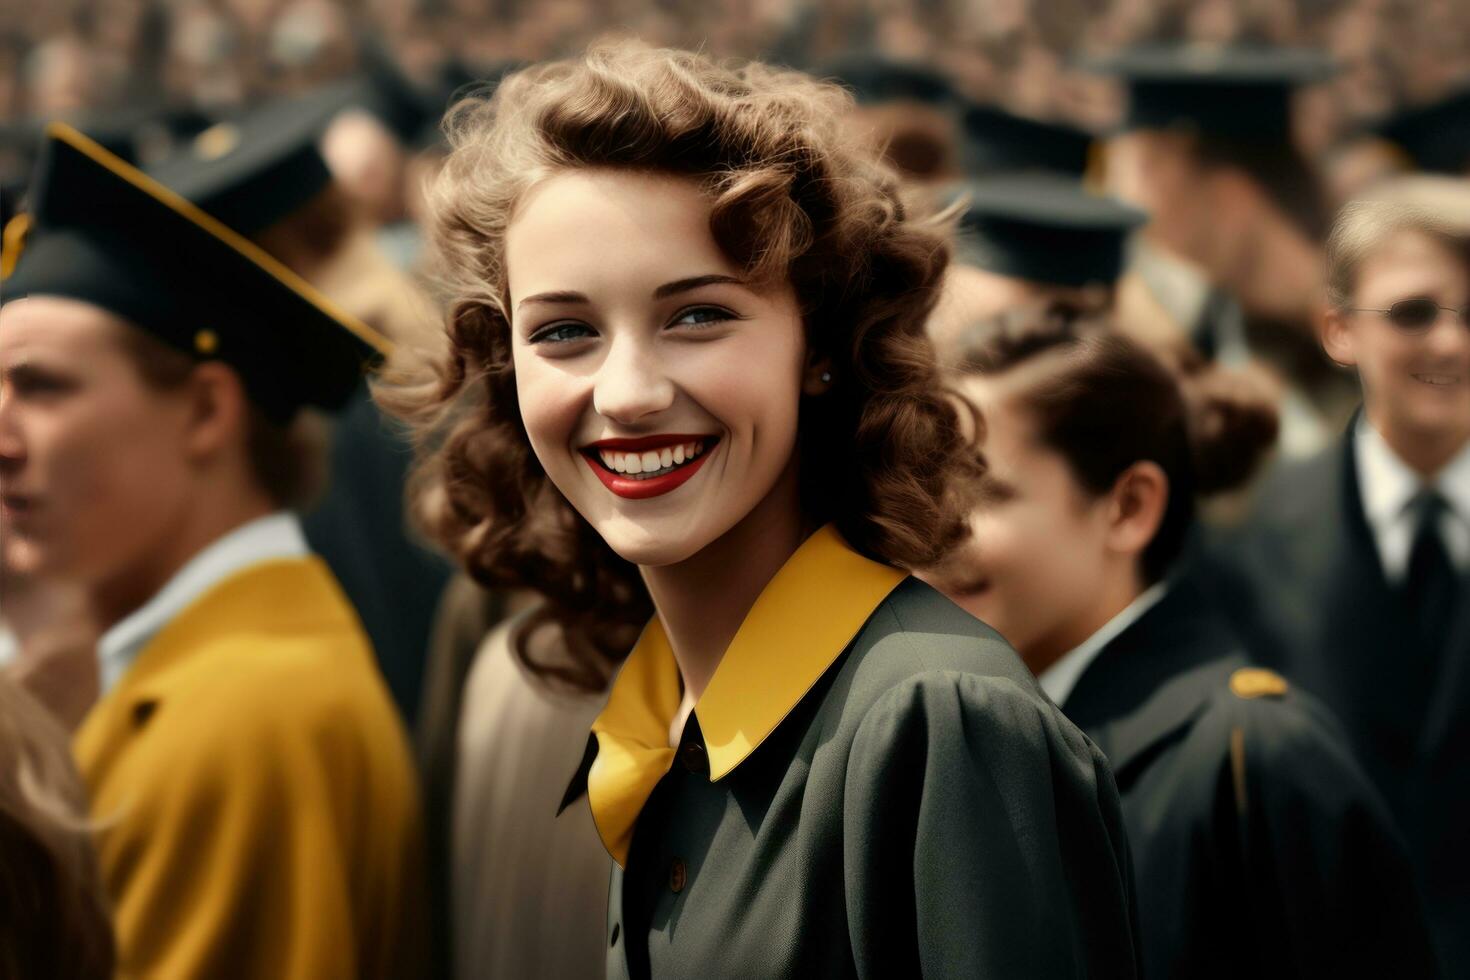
pixel 560 333
pixel 703 316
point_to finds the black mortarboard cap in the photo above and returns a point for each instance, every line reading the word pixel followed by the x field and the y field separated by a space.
pixel 18 145
pixel 1045 228
pixel 1239 92
pixel 875 79
pixel 104 232
pixel 140 133
pixel 253 170
pixel 1435 136
pixel 997 141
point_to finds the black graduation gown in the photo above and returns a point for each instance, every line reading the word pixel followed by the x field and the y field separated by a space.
pixel 1259 847
pixel 1305 584
pixel 360 527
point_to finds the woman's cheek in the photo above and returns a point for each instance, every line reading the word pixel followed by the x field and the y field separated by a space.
pixel 549 410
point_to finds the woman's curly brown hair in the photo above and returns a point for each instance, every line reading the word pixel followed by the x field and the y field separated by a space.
pixel 794 197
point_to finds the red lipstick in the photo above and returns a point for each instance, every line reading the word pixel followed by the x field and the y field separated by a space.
pixel 631 487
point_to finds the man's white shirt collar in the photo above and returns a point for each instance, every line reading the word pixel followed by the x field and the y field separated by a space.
pixel 1060 678
pixel 1388 487
pixel 274 536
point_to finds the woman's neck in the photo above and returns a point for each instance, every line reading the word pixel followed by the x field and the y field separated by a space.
pixel 702 601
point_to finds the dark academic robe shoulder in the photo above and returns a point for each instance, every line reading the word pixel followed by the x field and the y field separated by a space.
pixel 1305 584
pixel 890 798
pixel 1260 849
pixel 360 528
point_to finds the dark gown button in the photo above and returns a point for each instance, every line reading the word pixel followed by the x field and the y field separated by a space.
pixel 677 876
pixel 693 757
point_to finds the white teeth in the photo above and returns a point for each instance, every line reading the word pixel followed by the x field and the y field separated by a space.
pixel 651 462
pixel 1437 379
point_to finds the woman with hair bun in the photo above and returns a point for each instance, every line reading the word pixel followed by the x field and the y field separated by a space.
pixel 1259 847
pixel 690 403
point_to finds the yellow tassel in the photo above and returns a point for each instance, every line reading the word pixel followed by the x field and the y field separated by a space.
pixel 12 241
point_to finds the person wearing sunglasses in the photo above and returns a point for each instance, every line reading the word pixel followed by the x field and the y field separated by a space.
pixel 1353 575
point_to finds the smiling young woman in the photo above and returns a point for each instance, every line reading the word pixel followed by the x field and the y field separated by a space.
pixel 689 381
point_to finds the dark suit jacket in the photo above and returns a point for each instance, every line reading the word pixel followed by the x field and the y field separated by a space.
pixel 1260 849
pixel 1304 583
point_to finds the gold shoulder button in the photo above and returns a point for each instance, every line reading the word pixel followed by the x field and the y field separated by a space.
pixel 1257 682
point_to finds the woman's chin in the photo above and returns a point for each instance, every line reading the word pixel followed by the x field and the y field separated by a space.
pixel 653 542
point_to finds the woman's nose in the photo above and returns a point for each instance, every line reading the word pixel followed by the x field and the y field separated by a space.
pixel 631 383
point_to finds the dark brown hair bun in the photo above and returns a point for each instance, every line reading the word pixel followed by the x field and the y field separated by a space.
pixel 1233 423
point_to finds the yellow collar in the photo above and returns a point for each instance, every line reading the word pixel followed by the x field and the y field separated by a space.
pixel 802 621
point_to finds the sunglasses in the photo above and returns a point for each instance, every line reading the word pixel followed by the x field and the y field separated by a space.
pixel 1413 315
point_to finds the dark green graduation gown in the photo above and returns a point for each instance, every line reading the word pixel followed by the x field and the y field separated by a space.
pixel 920 810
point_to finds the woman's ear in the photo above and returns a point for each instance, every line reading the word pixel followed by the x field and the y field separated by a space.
pixel 817 379
pixel 1337 338
pixel 217 408
pixel 1136 509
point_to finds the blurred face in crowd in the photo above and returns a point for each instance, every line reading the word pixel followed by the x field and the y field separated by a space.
pixel 1416 380
pixel 91 471
pixel 367 162
pixel 1156 172
pixel 972 297
pixel 1041 546
pixel 659 390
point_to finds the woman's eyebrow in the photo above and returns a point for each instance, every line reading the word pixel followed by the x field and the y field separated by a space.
pixel 694 282
pixel 666 290
pixel 29 370
pixel 562 297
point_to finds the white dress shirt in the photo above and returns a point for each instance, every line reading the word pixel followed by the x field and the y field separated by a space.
pixel 1389 486
pixel 1059 679
pixel 274 536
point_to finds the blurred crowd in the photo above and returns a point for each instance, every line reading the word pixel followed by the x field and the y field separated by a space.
pixel 215 54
